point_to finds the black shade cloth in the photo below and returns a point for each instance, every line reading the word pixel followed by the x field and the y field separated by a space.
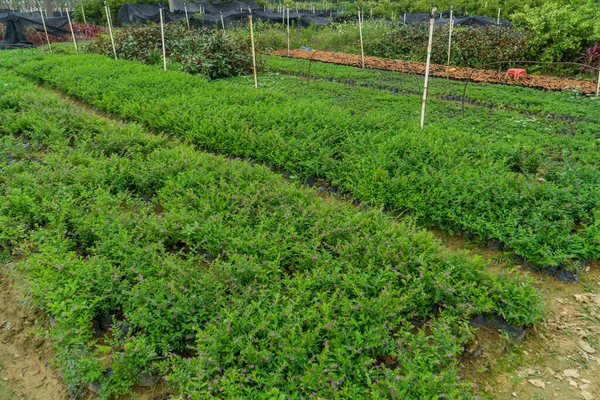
pixel 215 8
pixel 16 24
pixel 140 14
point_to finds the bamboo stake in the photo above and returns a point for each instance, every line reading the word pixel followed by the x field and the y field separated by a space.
pixel 45 30
pixel 498 21
pixel 253 53
pixel 362 49
pixel 112 39
pixel 187 17
pixel 449 44
pixel 222 22
pixel 598 85
pixel 83 14
pixel 72 33
pixel 427 65
pixel 288 30
pixel 162 37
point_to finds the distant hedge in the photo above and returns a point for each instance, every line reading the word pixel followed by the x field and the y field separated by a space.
pixel 206 52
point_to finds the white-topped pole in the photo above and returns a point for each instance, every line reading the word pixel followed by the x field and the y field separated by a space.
pixel 162 35
pixel 72 32
pixel 253 53
pixel 288 30
pixel 112 39
pixel 449 44
pixel 424 101
pixel 45 30
pixel 187 17
pixel 362 48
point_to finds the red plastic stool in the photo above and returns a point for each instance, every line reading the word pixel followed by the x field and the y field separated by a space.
pixel 516 73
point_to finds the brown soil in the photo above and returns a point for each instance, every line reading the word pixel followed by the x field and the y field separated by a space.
pixel 24 373
pixel 456 73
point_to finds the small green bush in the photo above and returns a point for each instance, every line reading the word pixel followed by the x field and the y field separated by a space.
pixel 560 33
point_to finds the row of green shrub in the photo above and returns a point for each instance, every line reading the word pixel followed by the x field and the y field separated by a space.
pixel 220 277
pixel 495 175
pixel 566 104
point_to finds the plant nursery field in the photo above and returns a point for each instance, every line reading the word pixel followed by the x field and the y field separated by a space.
pixel 210 239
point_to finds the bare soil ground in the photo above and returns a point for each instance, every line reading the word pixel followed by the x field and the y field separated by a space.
pixel 24 373
pixel 559 359
pixel 456 73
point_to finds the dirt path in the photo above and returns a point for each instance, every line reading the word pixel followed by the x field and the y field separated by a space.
pixel 558 360
pixel 456 73
pixel 23 355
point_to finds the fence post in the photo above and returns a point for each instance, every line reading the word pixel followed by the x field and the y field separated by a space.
pixel 424 101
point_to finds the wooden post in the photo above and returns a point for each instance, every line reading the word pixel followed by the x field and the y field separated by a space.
pixel 72 32
pixel 253 53
pixel 424 101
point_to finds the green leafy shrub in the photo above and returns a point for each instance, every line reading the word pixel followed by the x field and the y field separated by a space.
pixel 559 32
pixel 206 52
